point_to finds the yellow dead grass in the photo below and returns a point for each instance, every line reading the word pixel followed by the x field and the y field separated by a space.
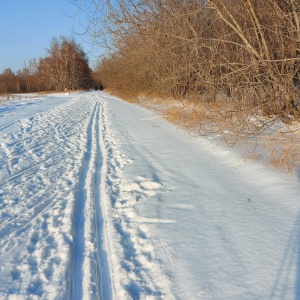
pixel 281 151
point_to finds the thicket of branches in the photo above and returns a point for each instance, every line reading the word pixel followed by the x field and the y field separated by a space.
pixel 239 58
pixel 64 67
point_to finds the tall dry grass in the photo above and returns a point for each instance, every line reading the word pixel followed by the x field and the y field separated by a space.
pixel 278 148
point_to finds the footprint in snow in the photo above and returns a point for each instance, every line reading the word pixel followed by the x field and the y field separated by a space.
pixel 141 185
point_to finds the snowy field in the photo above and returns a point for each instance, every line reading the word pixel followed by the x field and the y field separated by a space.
pixel 102 199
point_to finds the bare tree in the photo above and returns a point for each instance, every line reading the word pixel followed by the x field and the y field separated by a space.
pixel 65 67
pixel 8 81
pixel 243 55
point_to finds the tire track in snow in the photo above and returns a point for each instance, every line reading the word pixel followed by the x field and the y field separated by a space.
pixel 90 267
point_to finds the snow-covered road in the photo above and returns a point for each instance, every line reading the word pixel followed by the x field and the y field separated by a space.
pixel 101 199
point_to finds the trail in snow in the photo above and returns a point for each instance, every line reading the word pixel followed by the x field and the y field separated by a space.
pixel 43 183
pixel 63 232
pixel 135 271
pixel 195 220
pixel 101 199
pixel 90 271
pixel 25 107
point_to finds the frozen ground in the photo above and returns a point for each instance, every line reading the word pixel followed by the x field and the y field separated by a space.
pixel 103 199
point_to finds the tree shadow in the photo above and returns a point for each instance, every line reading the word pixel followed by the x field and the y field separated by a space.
pixel 290 260
pixel 297 290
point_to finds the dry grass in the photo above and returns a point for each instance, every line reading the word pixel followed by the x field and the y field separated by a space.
pixel 5 98
pixel 281 151
pixel 4 95
pixel 49 92
pixel 185 118
pixel 253 156
pixel 56 92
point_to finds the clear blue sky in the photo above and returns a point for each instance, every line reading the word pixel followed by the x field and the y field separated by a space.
pixel 28 26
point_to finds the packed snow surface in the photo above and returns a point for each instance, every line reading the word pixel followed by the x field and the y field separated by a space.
pixel 102 199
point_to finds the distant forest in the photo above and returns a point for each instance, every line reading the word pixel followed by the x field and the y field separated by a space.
pixel 64 67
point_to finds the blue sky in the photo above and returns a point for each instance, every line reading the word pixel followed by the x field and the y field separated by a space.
pixel 28 26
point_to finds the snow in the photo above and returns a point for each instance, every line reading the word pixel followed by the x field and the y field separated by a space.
pixel 100 198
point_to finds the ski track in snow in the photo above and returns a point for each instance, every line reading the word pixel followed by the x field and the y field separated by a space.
pixel 63 205
pixel 39 169
pixel 95 204
pixel 90 271
pixel 135 270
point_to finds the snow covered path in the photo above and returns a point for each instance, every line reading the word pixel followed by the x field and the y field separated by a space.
pixel 50 226
pixel 221 228
pixel 101 199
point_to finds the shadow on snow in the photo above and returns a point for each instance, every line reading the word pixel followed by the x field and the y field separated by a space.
pixel 290 260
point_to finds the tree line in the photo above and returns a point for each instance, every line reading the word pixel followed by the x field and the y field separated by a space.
pixel 65 66
pixel 239 57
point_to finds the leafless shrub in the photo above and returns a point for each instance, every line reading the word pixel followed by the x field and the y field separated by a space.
pixel 240 60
